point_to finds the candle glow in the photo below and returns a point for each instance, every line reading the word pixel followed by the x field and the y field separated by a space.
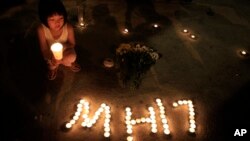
pixel 131 122
pixel 185 30
pixel 189 103
pixel 125 31
pixel 81 24
pixel 193 36
pixel 57 50
pixel 244 53
pixel 80 11
pixel 156 25
pixel 163 117
pixel 83 110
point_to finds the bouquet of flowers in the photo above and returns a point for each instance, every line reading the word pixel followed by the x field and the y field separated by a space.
pixel 134 60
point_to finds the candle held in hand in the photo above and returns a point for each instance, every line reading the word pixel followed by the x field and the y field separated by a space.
pixel 57 50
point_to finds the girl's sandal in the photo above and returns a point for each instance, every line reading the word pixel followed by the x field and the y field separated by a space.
pixel 75 67
pixel 52 74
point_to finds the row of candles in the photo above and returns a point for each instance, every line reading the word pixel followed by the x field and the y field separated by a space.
pixel 81 23
pixel 243 53
pixel 192 36
pixel 83 105
pixel 57 48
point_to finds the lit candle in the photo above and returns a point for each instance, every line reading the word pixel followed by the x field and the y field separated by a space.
pixel 80 16
pixel 155 25
pixel 192 36
pixel 189 103
pixel 68 125
pixel 81 23
pixel 243 52
pixel 185 30
pixel 57 50
pixel 125 31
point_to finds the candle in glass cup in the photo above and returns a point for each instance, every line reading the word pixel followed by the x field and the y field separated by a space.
pixel 57 50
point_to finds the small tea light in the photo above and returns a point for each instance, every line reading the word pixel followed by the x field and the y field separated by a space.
pixel 57 50
pixel 192 36
pixel 81 21
pixel 125 31
pixel 68 125
pixel 185 31
pixel 155 25
pixel 82 24
pixel 244 53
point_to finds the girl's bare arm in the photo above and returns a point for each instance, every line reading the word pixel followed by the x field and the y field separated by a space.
pixel 43 44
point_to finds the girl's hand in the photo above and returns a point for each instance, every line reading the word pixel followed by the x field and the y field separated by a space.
pixel 55 61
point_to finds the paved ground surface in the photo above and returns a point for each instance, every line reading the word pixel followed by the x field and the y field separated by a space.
pixel 208 70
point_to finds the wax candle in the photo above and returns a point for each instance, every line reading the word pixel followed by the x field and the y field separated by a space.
pixel 155 25
pixel 243 52
pixel 57 50
pixel 193 36
pixel 125 31
pixel 185 30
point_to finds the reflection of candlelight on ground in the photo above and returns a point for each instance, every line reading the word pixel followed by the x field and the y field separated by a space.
pixel 57 50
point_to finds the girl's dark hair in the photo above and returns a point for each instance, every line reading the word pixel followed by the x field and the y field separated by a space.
pixel 48 8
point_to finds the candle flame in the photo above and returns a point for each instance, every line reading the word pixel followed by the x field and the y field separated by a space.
pixel 56 48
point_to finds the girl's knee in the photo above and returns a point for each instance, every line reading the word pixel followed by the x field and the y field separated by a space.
pixel 69 56
pixel 68 59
